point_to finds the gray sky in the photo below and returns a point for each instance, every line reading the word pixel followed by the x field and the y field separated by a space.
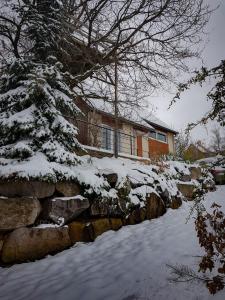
pixel 193 104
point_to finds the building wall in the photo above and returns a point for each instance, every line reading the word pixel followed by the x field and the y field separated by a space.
pixel 145 146
pixel 170 139
pixel 128 144
pixel 157 148
pixel 94 132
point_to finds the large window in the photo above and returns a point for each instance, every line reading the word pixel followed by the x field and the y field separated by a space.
pixel 161 137
pixel 153 134
pixel 107 138
pixel 158 136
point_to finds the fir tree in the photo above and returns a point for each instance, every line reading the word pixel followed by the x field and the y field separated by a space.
pixel 36 98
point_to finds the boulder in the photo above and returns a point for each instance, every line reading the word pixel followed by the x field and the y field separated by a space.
pixel 18 212
pixel 100 226
pixel 81 232
pixel 138 215
pixel 99 208
pixel 176 202
pixel 130 220
pixel 26 244
pixel 24 188
pixel 196 172
pixel 187 190
pixel 123 195
pixel 2 237
pixel 185 178
pixel 106 208
pixel 61 210
pixel 124 189
pixel 209 184
pixel 220 178
pixel 111 178
pixel 115 223
pixel 67 189
pixel 155 206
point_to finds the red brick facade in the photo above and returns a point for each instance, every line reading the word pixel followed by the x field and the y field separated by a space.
pixel 157 147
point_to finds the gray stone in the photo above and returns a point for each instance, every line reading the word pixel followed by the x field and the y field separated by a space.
pixel 2 237
pixel 105 208
pixel 111 178
pixel 68 189
pixel 196 172
pixel 155 206
pixel 176 202
pixel 18 212
pixel 64 209
pixel 80 231
pixel 209 184
pixel 187 190
pixel 25 244
pixel 21 188
pixel 185 178
pixel 99 208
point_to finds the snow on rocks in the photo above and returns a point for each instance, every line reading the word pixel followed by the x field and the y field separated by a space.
pixel 64 209
pixel 94 196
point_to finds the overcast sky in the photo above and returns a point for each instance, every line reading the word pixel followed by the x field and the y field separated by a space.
pixel 193 104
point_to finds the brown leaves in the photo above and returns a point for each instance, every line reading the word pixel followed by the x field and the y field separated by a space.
pixel 210 229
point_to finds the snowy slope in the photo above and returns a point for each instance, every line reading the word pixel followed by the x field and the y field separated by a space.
pixel 126 265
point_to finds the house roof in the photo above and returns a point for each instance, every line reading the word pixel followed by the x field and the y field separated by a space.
pixel 142 117
pixel 155 122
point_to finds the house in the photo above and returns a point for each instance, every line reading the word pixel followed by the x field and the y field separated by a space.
pixel 138 136
pixel 197 151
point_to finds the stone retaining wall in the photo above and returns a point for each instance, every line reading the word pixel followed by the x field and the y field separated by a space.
pixel 39 218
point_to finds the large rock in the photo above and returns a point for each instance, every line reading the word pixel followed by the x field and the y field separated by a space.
pixel 111 178
pixel 18 212
pixel 2 237
pixel 209 184
pixel 24 188
pixel 176 202
pixel 155 206
pixel 187 190
pixel 124 189
pixel 185 178
pixel 64 209
pixel 115 223
pixel 196 172
pixel 99 208
pixel 25 244
pixel 106 208
pixel 138 215
pixel 81 232
pixel 100 226
pixel 67 189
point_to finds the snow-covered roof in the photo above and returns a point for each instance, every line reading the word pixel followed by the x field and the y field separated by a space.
pixel 133 114
pixel 154 121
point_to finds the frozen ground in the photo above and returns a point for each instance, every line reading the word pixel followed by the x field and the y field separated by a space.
pixel 126 265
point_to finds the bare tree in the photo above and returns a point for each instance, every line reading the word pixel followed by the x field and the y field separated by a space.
pixel 182 142
pixel 150 39
pixel 218 140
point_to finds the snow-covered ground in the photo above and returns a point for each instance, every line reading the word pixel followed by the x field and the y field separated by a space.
pixel 129 264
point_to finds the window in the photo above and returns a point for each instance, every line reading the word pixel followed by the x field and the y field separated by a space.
pixel 107 136
pixel 158 136
pixel 153 134
pixel 161 137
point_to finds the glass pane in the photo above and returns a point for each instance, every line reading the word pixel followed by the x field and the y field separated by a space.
pixel 161 137
pixel 153 134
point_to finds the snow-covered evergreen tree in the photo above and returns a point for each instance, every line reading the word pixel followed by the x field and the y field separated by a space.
pixel 36 98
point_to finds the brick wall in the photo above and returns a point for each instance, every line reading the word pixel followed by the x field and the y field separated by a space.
pixel 157 147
